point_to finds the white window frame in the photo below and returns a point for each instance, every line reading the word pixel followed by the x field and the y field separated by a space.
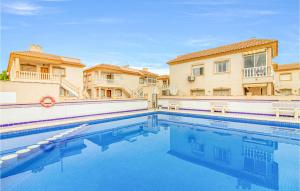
pixel 222 62
pixel 254 58
pixel 285 79
pixel 198 67
pixel 118 92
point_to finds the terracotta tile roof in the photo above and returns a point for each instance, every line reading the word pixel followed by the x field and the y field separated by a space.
pixel 121 69
pixel 285 67
pixel 163 77
pixel 227 49
pixel 49 56
pixel 147 73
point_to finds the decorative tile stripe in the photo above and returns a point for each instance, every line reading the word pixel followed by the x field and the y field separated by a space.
pixel 69 125
pixel 235 112
pixel 63 118
pixel 25 105
pixel 236 119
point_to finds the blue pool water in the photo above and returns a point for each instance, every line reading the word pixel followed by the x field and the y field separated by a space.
pixel 161 152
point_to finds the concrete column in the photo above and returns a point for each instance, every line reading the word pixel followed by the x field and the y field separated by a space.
pixel 270 89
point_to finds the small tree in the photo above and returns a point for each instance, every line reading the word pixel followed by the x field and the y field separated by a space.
pixel 3 75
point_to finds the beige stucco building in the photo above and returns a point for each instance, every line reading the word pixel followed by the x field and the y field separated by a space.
pixel 110 81
pixel 61 77
pixel 162 83
pixel 242 68
pixel 287 79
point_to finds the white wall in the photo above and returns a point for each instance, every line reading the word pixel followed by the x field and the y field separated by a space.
pixel 29 92
pixel 36 112
pixel 242 106
pixel 8 97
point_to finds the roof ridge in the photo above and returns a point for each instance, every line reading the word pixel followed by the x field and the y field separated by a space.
pixel 224 48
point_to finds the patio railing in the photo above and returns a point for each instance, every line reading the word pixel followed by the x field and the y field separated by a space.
pixel 262 71
pixel 26 75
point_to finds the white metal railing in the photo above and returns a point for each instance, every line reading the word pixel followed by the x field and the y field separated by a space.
pixel 26 75
pixel 262 71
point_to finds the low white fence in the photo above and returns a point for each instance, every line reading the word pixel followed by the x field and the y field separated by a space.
pixel 260 107
pixel 34 112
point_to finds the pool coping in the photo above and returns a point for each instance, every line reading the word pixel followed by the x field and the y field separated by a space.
pixel 68 121
pixel 26 126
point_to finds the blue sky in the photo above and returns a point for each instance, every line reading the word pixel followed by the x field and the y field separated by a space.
pixel 144 33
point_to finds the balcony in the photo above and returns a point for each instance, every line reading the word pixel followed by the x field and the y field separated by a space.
pixel 258 74
pixel 35 77
pixel 148 82
pixel 107 82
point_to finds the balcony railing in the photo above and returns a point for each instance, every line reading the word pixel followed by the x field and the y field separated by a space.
pixel 163 86
pixel 253 72
pixel 106 81
pixel 36 76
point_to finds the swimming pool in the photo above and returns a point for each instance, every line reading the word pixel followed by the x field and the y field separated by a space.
pixel 161 151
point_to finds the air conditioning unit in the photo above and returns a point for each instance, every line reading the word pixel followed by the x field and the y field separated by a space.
pixel 191 78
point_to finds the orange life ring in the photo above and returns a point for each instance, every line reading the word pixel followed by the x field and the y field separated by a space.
pixel 47 101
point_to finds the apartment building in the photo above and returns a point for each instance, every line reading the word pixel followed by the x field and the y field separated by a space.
pixel 287 79
pixel 110 81
pixel 242 68
pixel 163 83
pixel 41 74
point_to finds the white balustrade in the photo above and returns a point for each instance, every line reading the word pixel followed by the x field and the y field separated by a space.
pixel 26 75
pixel 262 71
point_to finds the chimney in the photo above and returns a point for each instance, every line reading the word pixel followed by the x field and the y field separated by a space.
pixel 145 69
pixel 35 48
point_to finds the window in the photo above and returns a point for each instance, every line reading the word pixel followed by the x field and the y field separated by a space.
pixel 97 92
pixel 198 70
pixel 221 67
pixel 286 92
pixel 28 67
pixel 198 92
pixel 89 91
pixel 285 77
pixel 118 92
pixel 110 76
pixel 142 80
pixel 96 75
pixel 151 80
pixel 59 71
pixel 102 93
pixel 222 92
pixel 255 60
pixel 222 155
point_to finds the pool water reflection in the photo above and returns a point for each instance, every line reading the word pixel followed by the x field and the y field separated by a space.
pixel 163 152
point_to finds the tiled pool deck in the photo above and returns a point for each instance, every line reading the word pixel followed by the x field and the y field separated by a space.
pixel 44 124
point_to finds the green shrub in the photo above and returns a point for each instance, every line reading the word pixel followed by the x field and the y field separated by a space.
pixel 3 75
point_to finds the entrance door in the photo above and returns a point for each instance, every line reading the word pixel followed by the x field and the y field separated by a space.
pixel 108 93
pixel 44 73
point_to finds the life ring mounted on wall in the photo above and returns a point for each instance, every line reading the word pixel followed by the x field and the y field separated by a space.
pixel 47 101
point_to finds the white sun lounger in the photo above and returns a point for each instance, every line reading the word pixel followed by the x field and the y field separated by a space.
pixel 173 105
pixel 286 107
pixel 218 106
